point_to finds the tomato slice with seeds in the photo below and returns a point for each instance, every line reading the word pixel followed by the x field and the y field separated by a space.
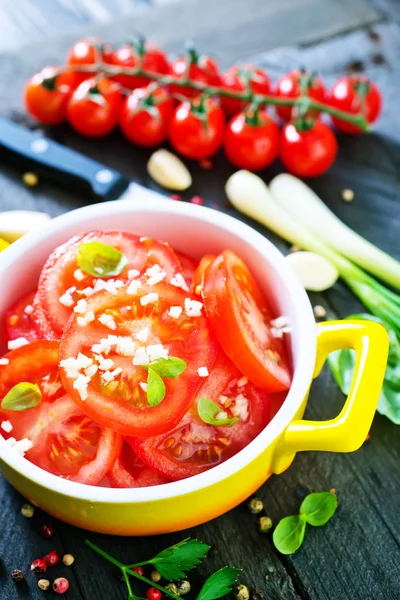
pixel 65 441
pixel 59 274
pixel 41 322
pixel 194 446
pixel 198 279
pixel 188 265
pixel 18 322
pixel 129 471
pixel 240 318
pixel 121 402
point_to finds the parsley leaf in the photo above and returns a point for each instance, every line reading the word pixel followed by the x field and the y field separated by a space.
pixel 168 367
pixel 100 260
pixel 219 584
pixel 155 388
pixel 209 410
pixel 173 562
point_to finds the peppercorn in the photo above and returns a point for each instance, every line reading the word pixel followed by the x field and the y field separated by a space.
pixel 256 594
pixel 43 584
pixel 39 566
pixel 206 164
pixel 155 576
pixel 295 248
pixel 30 179
pixel 52 558
pixel 17 575
pixel 153 594
pixel 347 195
pixel 242 592
pixel 184 587
pixel 47 531
pixel 138 570
pixel 60 585
pixel 176 197
pixel 197 200
pixel 172 587
pixel 265 524
pixel 27 511
pixel 255 506
pixel 68 560
pixel 319 311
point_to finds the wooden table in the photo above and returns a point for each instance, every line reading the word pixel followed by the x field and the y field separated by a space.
pixel 357 555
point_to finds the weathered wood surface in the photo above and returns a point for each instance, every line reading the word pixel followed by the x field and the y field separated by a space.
pixel 357 555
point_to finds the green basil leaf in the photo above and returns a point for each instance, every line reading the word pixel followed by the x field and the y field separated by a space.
pixel 155 388
pixel 100 260
pixel 208 411
pixel 289 534
pixel 316 509
pixel 22 396
pixel 219 584
pixel 168 367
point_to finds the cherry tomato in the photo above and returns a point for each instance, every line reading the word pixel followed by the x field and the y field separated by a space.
pixel 308 153
pixel 121 401
pixel 19 322
pixel 240 318
pixel 129 471
pixel 355 94
pixel 197 131
pixel 239 79
pixel 199 68
pixel 93 109
pixel 198 280
pixel 88 52
pixel 194 446
pixel 145 116
pixel 65 441
pixel 251 144
pixel 46 95
pixel 153 59
pixel 290 86
pixel 60 274
pixel 188 266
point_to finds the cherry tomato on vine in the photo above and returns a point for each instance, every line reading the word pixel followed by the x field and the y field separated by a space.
pixel 145 116
pixel 291 85
pixel 93 109
pixel 308 153
pixel 196 130
pixel 46 95
pixel 88 52
pixel 199 68
pixel 251 140
pixel 355 94
pixel 129 56
pixel 237 79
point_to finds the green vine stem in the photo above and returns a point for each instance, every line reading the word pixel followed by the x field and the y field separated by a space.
pixel 113 70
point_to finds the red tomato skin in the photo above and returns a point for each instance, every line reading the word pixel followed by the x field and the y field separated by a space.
pixel 49 106
pixel 85 52
pixel 233 81
pixel 18 322
pixel 308 153
pixel 251 147
pixel 129 471
pixel 343 96
pixel 203 265
pixel 188 265
pixel 288 86
pixel 205 71
pixel 228 285
pixel 154 61
pixel 139 125
pixel 191 137
pixel 87 116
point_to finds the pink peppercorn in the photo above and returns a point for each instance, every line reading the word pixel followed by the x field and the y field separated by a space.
pixel 52 558
pixel 47 531
pixel 138 570
pixel 197 200
pixel 38 566
pixel 60 585
pixel 176 197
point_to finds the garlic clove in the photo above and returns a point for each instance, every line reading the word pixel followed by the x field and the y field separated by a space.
pixel 169 171
pixel 315 272
pixel 16 223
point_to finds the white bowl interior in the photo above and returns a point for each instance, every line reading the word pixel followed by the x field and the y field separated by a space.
pixel 195 230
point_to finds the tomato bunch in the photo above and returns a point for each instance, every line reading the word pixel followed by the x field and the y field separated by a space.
pixel 198 109
pixel 132 364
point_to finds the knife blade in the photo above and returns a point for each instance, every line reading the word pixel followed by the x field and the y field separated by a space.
pixel 30 150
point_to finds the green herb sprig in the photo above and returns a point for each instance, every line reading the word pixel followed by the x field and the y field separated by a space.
pixel 172 564
pixel 316 510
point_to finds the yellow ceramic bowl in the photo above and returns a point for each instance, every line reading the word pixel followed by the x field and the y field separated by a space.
pixel 177 505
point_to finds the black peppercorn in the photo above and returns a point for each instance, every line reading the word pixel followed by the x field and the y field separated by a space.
pixel 17 575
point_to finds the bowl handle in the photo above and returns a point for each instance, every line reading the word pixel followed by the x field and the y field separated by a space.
pixel 347 431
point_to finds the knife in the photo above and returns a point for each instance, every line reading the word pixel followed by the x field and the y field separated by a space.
pixel 30 150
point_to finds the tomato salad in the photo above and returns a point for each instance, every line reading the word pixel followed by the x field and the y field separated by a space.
pixel 133 365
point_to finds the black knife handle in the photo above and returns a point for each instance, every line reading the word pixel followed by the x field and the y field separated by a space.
pixel 28 150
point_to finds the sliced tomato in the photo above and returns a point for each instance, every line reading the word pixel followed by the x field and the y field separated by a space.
pixel 188 267
pixel 59 273
pixel 121 403
pixel 240 318
pixel 42 324
pixel 129 471
pixel 65 441
pixel 199 273
pixel 193 446
pixel 20 323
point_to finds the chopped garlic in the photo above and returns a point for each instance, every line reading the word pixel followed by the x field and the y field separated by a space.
pixel 280 322
pixel 78 275
pixel 150 298
pixel 203 372
pixel 18 343
pixel 66 299
pixel 193 307
pixel 6 426
pixel 143 385
pixel 132 273
pixel 81 307
pixel 4 361
pixel 175 311
pixel 142 335
pixel 155 351
pixel 178 281
pixel 108 321
pixel 28 310
pixel 242 381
